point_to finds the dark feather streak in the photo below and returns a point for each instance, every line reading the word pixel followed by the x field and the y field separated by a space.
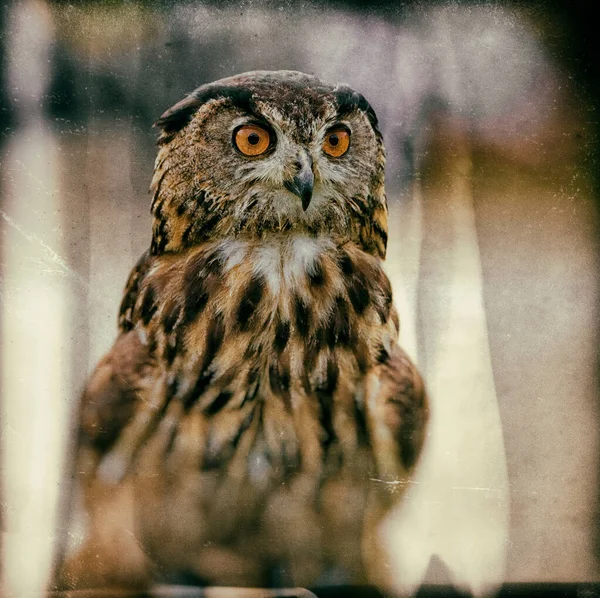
pixel 303 316
pixel 220 401
pixel 148 307
pixel 282 335
pixel 345 263
pixel 172 313
pixel 249 302
pixel 358 293
pixel 381 233
pixel 214 340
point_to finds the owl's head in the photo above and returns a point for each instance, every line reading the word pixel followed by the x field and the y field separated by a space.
pixel 269 153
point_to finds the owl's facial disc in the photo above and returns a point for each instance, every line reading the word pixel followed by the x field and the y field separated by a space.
pixel 303 182
pixel 264 154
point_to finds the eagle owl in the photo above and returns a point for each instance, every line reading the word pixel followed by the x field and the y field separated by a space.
pixel 243 427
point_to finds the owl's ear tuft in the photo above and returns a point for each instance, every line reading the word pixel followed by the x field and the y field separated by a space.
pixel 348 100
pixel 179 115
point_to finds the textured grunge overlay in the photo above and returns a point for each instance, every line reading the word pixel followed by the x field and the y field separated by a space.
pixel 491 255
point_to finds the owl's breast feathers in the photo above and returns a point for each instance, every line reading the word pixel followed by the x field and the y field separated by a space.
pixel 263 364
pixel 289 333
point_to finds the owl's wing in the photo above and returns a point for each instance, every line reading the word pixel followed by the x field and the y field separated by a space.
pixel 397 410
pixel 99 509
pixel 99 550
pixel 111 395
pixel 124 377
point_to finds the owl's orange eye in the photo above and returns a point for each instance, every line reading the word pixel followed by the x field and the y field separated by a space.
pixel 337 142
pixel 252 140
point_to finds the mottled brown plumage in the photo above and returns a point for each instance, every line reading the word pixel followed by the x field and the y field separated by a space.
pixel 256 393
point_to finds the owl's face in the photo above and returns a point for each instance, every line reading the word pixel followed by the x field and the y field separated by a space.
pixel 268 153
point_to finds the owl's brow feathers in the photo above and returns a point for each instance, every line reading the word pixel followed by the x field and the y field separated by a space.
pixel 179 115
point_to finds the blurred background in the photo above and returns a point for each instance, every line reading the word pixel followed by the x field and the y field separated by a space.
pixel 489 111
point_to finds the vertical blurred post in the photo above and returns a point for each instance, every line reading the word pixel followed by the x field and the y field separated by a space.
pixel 457 505
pixel 4 102
pixel 4 116
pixel 403 265
pixel 35 306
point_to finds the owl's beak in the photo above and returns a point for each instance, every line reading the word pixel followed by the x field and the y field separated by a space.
pixel 302 184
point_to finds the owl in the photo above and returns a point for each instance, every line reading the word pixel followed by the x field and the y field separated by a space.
pixel 255 420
